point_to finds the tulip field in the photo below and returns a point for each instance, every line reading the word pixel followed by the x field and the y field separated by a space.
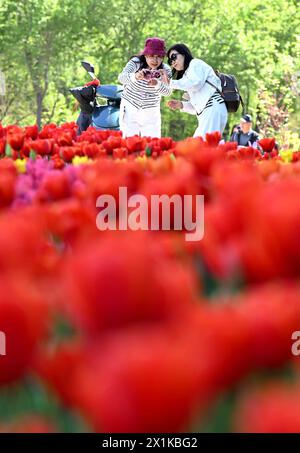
pixel 142 331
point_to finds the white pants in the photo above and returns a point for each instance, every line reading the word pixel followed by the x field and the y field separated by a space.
pixel 213 119
pixel 137 121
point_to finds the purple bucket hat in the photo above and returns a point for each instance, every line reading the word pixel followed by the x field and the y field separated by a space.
pixel 154 46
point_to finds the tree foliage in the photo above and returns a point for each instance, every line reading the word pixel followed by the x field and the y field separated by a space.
pixel 42 44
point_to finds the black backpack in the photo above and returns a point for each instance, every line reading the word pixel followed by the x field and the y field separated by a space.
pixel 230 91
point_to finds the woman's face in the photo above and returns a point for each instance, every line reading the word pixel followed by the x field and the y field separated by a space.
pixel 153 61
pixel 176 60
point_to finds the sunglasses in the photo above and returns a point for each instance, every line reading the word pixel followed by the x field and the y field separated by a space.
pixel 173 58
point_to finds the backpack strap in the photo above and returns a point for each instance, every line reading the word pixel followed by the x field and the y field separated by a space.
pixel 243 104
pixel 254 137
pixel 211 84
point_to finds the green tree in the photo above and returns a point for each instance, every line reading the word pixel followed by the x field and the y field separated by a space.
pixel 38 42
pixel 42 44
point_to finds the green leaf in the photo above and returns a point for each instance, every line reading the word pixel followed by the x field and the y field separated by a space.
pixel 219 416
pixel 32 155
pixel 8 150
pixel 30 397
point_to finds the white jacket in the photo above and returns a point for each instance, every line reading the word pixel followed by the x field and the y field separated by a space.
pixel 193 82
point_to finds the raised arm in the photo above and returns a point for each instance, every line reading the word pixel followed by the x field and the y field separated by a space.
pixel 195 76
pixel 163 85
pixel 188 108
pixel 128 73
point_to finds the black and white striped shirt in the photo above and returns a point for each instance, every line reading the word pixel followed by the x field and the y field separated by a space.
pixel 138 92
pixel 217 97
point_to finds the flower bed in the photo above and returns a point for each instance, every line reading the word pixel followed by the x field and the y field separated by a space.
pixel 123 331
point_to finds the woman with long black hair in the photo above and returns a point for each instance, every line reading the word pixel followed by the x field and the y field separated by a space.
pixel 199 80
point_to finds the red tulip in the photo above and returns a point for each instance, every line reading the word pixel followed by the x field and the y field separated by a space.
pixel 8 177
pixel 120 153
pixel 58 162
pixel 166 143
pixel 269 315
pixel 23 321
pixel 47 131
pixel 32 132
pixel 55 186
pixel 267 144
pixel 2 131
pixel 93 150
pixel 135 143
pixel 42 147
pixel 138 381
pixel 67 153
pixel 65 139
pixel 130 259
pixel 271 408
pixel 53 364
pixel 15 140
pixel 2 145
pixel 213 138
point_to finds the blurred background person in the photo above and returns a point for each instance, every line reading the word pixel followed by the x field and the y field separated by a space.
pixel 243 133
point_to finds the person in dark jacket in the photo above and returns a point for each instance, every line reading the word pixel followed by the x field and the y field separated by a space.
pixel 243 133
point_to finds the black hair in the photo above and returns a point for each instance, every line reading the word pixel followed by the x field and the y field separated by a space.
pixel 143 62
pixel 185 51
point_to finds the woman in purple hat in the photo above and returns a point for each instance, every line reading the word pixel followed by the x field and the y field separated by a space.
pixel 140 104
